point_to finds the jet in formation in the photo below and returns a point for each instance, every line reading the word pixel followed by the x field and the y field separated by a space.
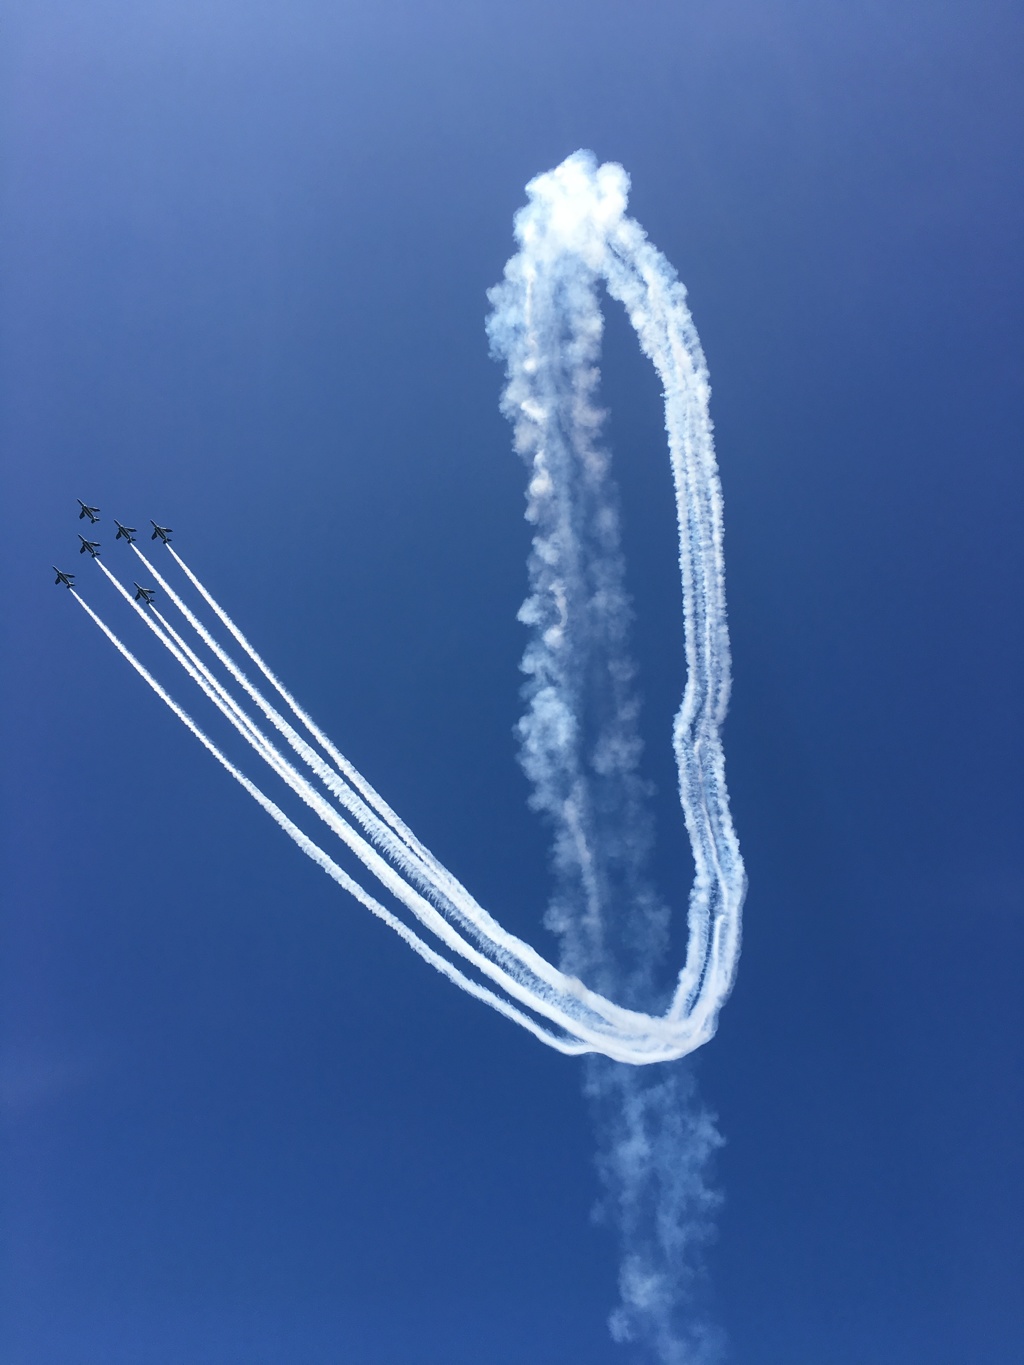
pixel 125 532
pixel 68 579
pixel 93 546
pixel 144 594
pixel 161 532
pixel 93 513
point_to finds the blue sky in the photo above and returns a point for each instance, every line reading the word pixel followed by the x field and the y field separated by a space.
pixel 245 253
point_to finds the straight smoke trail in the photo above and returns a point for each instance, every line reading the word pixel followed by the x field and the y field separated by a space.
pixel 331 817
pixel 518 981
pixel 580 746
pixel 311 849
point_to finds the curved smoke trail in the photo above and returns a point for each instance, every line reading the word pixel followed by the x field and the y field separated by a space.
pixel 580 741
pixel 580 745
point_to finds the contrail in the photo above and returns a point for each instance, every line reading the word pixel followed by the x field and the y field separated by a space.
pixel 384 827
pixel 580 747
pixel 322 859
pixel 376 813
pixel 547 323
pixel 518 983
pixel 580 740
pixel 594 1020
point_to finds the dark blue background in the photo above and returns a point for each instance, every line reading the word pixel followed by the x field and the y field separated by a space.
pixel 244 256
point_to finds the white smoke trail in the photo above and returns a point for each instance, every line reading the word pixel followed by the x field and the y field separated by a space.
pixel 599 1024
pixel 512 970
pixel 580 745
pixel 324 861
pixel 516 983
pixel 580 737
pixel 381 822
pixel 548 325
pixel 390 834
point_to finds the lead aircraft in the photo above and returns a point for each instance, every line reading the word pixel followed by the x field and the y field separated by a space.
pixel 93 513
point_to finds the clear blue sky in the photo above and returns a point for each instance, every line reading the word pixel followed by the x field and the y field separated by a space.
pixel 244 254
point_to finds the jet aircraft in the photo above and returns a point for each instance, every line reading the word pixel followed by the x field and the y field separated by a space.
pixel 68 579
pixel 125 532
pixel 163 532
pixel 93 513
pixel 93 546
pixel 144 594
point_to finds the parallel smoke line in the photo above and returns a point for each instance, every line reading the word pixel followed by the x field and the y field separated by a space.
pixel 547 325
pixel 324 861
pixel 580 745
pixel 516 983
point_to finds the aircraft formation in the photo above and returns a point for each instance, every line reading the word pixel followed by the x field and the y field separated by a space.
pixel 92 547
